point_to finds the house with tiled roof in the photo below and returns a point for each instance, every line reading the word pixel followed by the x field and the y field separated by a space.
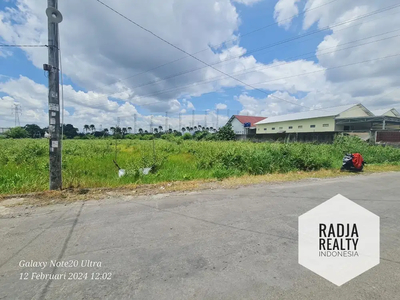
pixel 243 124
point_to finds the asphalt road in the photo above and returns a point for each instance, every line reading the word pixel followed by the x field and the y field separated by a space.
pixel 214 244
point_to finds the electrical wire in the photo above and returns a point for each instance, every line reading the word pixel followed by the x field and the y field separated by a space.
pixel 207 64
pixel 226 41
pixel 287 58
pixel 307 73
pixel 22 46
pixel 253 51
pixel 217 78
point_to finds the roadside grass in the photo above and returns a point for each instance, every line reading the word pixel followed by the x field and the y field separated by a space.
pixel 82 194
pixel 89 163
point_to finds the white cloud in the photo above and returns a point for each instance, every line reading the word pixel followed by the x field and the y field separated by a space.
pixel 284 11
pixel 189 24
pixel 247 2
pixel 221 106
pixel 269 105
pixel 107 51
pixel 190 105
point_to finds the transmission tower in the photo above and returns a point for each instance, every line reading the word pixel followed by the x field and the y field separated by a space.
pixel 17 111
pixel 217 117
pixel 134 123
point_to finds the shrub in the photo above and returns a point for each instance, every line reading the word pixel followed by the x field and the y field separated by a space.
pixel 17 133
pixel 187 136
pixel 226 133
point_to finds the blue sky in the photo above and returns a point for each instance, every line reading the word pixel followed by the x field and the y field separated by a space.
pixel 112 49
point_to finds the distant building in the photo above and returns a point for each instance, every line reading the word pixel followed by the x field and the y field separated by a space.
pixel 321 120
pixel 384 112
pixel 244 124
pixel 323 124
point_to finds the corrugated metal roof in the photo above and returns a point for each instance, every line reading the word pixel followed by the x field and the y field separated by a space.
pixel 320 113
pixel 381 112
pixel 249 119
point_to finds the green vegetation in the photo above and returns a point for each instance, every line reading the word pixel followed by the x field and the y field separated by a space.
pixel 16 133
pixel 89 163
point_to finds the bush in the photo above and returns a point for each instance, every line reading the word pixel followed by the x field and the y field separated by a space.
pixel 187 136
pixel 226 133
pixel 17 133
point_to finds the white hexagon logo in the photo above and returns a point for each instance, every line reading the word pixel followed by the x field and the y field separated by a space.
pixel 339 240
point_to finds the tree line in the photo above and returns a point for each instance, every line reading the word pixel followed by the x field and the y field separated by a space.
pixel 89 132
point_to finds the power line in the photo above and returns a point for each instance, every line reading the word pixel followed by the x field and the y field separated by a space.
pixel 336 67
pixel 226 41
pixel 318 71
pixel 284 63
pixel 22 46
pixel 256 69
pixel 228 75
pixel 288 40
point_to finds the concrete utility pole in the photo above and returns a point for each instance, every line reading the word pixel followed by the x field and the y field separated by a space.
pixel 54 18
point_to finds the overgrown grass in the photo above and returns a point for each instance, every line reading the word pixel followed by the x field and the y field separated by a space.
pixel 89 163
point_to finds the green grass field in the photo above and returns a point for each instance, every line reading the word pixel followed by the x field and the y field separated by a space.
pixel 89 163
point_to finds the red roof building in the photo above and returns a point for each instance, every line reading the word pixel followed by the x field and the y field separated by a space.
pixel 249 119
pixel 238 123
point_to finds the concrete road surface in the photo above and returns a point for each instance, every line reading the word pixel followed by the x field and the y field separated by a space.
pixel 214 244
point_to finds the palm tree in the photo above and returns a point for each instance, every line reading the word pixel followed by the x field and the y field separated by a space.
pixel 170 130
pixel 112 129
pixel 195 128
pixel 175 131
pixel 140 130
pixel 160 128
pixel 118 129
pixel 92 128
pixel 86 128
pixel 105 130
pixel 155 130
pixel 183 129
pixel 146 131
pixel 207 128
pixel 188 128
pixel 191 128
pixel 129 129
pixel 199 126
pixel 211 129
